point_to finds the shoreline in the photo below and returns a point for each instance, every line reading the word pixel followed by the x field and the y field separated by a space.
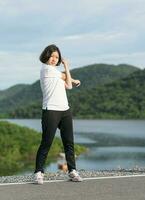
pixel 49 176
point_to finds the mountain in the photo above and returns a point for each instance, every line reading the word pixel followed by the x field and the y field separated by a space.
pixel 5 94
pixel 101 73
pixel 25 101
pixel 121 99
pixel 24 95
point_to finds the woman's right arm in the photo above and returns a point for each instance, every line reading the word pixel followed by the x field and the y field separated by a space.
pixel 74 81
pixel 68 81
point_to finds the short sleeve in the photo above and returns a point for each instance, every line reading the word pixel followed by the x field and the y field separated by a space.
pixel 51 73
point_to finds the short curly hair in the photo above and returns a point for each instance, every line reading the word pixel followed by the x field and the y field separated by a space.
pixel 46 54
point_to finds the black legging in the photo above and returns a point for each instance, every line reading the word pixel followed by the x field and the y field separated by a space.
pixel 51 120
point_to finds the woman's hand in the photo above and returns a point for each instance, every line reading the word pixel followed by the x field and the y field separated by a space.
pixel 76 83
pixel 65 62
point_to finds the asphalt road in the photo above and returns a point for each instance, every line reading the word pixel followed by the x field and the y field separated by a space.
pixel 124 188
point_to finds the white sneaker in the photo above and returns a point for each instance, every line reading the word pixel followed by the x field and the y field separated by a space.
pixel 39 178
pixel 74 176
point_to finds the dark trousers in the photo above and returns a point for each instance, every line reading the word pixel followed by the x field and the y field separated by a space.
pixel 51 120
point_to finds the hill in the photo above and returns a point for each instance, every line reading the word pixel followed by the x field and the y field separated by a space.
pixel 22 96
pixel 25 102
pixel 101 73
pixel 121 99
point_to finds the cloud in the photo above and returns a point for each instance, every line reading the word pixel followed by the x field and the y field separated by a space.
pixel 85 30
pixel 89 6
pixel 135 59
pixel 25 69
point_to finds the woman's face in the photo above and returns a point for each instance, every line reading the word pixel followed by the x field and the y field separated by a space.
pixel 53 60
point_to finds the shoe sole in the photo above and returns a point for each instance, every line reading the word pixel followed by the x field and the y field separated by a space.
pixel 75 180
pixel 39 182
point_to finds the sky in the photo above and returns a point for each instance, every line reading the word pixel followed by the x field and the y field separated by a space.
pixel 86 31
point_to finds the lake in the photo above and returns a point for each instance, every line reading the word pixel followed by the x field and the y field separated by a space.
pixel 111 144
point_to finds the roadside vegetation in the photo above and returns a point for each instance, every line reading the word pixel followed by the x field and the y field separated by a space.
pixel 18 147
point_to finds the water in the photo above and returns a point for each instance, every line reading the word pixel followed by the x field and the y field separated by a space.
pixel 111 144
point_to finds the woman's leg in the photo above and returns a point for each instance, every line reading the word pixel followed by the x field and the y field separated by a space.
pixel 66 130
pixel 50 121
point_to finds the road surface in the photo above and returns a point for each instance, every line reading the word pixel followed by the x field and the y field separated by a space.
pixel 101 188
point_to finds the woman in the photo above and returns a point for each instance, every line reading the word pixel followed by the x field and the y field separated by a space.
pixel 55 111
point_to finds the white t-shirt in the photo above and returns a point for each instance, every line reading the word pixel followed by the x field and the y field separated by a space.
pixel 53 89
